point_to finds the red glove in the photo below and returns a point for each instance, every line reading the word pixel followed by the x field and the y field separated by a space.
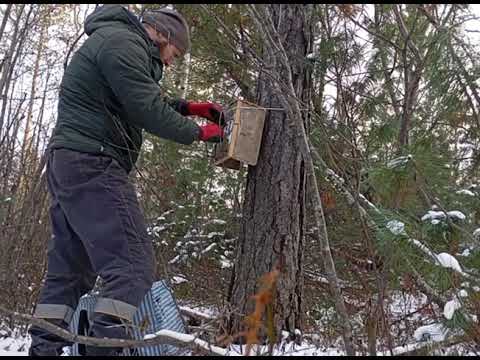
pixel 210 111
pixel 211 133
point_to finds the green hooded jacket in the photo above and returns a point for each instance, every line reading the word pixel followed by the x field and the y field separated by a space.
pixel 110 92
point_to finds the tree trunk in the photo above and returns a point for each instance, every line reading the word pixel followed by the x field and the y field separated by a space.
pixel 6 15
pixel 28 158
pixel 272 229
pixel 7 69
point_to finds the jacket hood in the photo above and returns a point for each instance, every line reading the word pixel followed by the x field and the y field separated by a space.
pixel 113 15
pixel 118 16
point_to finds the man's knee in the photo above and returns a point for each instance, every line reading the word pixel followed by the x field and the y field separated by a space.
pixel 128 284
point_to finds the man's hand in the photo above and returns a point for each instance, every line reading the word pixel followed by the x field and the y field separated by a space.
pixel 210 111
pixel 211 133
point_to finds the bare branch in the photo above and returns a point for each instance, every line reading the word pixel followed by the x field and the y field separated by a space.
pixel 406 34
pixel 161 337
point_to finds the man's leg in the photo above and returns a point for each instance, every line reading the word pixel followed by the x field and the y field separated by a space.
pixel 101 205
pixel 69 276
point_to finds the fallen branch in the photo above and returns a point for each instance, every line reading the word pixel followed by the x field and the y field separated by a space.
pixel 192 313
pixel 161 337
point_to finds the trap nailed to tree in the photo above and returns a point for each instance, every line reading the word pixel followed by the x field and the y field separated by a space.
pixel 243 136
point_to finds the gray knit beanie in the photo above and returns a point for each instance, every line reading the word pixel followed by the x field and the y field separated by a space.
pixel 170 24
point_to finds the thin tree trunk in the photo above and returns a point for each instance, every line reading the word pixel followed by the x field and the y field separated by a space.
pixel 188 65
pixel 7 64
pixel 6 15
pixel 411 79
pixel 388 77
pixel 27 157
pixel 8 71
pixel 39 126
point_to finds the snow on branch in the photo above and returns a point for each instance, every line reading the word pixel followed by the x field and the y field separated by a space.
pixel 161 337
pixel 435 216
pixel 397 227
pixel 399 161
pixel 443 259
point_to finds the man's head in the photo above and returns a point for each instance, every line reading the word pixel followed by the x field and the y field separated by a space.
pixel 169 31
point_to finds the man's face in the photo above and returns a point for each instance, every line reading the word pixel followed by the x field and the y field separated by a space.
pixel 167 51
pixel 168 54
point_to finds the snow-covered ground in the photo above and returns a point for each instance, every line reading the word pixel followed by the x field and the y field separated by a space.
pixel 19 347
pixel 427 332
pixel 424 335
pixel 14 347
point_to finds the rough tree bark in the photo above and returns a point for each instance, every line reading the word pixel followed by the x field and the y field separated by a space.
pixel 272 229
pixel 283 29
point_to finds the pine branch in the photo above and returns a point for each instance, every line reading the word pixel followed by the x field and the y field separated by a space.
pixel 339 184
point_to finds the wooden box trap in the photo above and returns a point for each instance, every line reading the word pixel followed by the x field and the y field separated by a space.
pixel 242 136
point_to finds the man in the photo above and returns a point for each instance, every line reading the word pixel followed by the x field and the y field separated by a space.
pixel 108 94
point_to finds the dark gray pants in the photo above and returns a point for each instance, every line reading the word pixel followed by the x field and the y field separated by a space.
pixel 97 229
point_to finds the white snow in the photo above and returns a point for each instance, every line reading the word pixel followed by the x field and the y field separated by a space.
pixel 209 247
pixel 203 312
pixel 396 227
pixel 422 247
pixel 465 192
pixel 147 145
pixel 158 229
pixel 443 259
pixel 14 346
pixel 433 332
pixel 187 338
pixel 401 303
pixel 66 351
pixel 178 280
pixel 456 214
pixel 369 203
pixel 218 222
pixel 212 234
pixel 465 252
pixel 175 259
pixel 402 160
pixel 450 307
pixel 476 233
pixel 19 346
pixel 224 263
pixel 448 261
pixel 433 215
pixel 337 178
